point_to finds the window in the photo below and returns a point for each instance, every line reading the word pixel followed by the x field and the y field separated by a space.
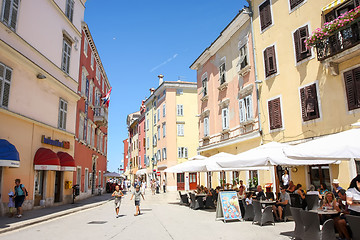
pixel 182 152
pixel 86 179
pixel 62 114
pixel 225 118
pixel 294 3
pixel 179 91
pixel 147 124
pixel 147 142
pixel 352 86
pixel 309 103
pixel 154 118
pixel 78 176
pixel 93 137
pixel 102 84
pixel 164 129
pixel 275 117
pixel 97 97
pixel 9 13
pixel 158 155
pixel 98 73
pixel 139 161
pixel 69 10
pixel 83 82
pixel 206 127
pixel 180 130
pixel 91 90
pixel 159 133
pixel 245 110
pixel 301 51
pixel 105 145
pixel 88 136
pixel 204 86
pixel 164 110
pixel 180 110
pixel 243 61
pixel 154 140
pixel 66 52
pixel 101 142
pixel 92 60
pixel 158 114
pixel 98 141
pixel 81 128
pixel 265 15
pixel 85 46
pixel 164 153
pixel 270 61
pixel 357 164
pixel 5 82
pixel 222 73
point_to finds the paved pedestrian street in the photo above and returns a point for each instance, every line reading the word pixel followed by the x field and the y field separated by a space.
pixel 162 218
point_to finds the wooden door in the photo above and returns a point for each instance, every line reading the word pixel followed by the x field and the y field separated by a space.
pixel 180 181
pixel 192 181
pixel 57 187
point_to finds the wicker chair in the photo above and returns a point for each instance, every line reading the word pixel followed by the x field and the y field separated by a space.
pixel 312 227
pixel 299 226
pixel 262 217
pixel 249 211
pixel 354 223
pixel 312 202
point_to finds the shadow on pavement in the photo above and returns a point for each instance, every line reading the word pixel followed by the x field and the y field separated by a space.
pixel 288 234
pixel 5 221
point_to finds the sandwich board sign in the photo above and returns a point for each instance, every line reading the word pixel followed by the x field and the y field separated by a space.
pixel 228 207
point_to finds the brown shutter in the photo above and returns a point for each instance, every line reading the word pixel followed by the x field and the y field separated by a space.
pixel 304 33
pixel 265 15
pixel 271 115
pixel 356 74
pixel 350 89
pixel 272 59
pixel 297 45
pixel 262 17
pixel 294 3
pixel 303 104
pixel 266 63
pixel 277 113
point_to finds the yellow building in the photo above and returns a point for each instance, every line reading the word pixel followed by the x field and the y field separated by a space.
pixel 306 93
pixel 133 140
pixel 171 131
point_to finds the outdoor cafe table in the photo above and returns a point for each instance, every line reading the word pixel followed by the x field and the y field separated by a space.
pixel 323 212
pixel 200 195
pixel 268 202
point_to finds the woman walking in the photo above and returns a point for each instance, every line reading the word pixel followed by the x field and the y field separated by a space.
pixel 118 195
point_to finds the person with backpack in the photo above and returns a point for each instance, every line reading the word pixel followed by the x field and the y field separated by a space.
pixel 19 196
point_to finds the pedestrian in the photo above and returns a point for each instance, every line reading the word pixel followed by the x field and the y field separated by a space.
pixel 118 194
pixel 164 186
pixel 153 186
pixel 137 193
pixel 19 196
pixel 143 187
pixel 11 204
pixel 285 179
pixel 157 186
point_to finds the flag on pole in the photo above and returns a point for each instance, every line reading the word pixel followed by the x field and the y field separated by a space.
pixel 106 99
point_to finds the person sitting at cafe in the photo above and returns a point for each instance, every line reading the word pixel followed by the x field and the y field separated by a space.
pixel 248 200
pixel 260 193
pixel 279 207
pixel 340 222
pixel 299 191
pixel 330 202
pixel 353 196
pixel 323 189
pixel 312 191
pixel 291 187
pixel 242 189
pixel 336 187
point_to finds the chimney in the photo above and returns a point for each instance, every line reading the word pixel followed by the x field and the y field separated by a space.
pixel 161 79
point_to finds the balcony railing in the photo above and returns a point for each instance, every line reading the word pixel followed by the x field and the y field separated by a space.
pixel 339 41
pixel 100 116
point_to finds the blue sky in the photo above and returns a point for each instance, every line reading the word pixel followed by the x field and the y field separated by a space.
pixel 138 40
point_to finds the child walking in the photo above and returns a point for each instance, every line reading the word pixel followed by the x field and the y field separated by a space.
pixel 137 195
pixel 118 195
pixel 11 204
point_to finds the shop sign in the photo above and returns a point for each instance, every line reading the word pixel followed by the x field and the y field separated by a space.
pixel 56 143
pixel 158 174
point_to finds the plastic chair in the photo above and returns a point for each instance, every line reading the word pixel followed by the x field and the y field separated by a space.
pixel 287 212
pixel 192 200
pixel 299 226
pixel 295 200
pixel 354 223
pixel 209 203
pixel 249 211
pixel 262 217
pixel 184 200
pixel 312 227
pixel 312 202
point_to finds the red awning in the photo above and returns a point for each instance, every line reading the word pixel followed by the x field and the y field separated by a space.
pixel 45 159
pixel 67 162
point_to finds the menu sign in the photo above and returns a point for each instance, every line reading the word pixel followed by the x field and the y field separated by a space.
pixel 228 206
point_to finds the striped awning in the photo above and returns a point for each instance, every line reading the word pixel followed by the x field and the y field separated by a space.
pixel 331 5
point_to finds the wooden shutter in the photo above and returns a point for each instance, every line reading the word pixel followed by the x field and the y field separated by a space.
pixel 265 15
pixel 350 90
pixel 304 33
pixel 270 61
pixel 303 104
pixel 301 50
pixel 297 45
pixel 309 103
pixel 266 63
pixel 271 115
pixel 294 3
pixel 275 114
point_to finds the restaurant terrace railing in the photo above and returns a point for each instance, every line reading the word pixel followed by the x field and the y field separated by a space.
pixel 339 41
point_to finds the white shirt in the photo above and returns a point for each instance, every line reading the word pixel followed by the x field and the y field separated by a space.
pixel 355 195
pixel 285 179
pixel 312 193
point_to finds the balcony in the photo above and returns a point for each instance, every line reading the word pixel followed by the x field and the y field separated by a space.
pixel 341 45
pixel 100 116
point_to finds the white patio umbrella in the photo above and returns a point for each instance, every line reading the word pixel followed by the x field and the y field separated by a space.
pixel 198 157
pixel 270 154
pixel 343 145
pixel 189 166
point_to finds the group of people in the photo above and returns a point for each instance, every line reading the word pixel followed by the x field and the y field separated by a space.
pixel 155 186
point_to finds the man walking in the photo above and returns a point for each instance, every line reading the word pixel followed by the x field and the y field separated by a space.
pixel 164 186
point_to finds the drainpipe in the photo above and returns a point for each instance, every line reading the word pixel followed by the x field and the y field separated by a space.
pixel 257 81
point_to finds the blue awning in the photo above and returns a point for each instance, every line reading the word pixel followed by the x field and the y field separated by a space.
pixel 9 156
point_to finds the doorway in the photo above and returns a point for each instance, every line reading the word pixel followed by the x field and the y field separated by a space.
pixel 209 184
pixel 58 176
pixel 192 181
pixel 86 182
pixel 180 181
pixel 320 174
pixel 39 187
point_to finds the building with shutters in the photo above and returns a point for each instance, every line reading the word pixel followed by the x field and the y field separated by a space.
pixel 38 90
pixel 227 101
pixel 306 92
pixel 91 119
pixel 133 142
pixel 126 157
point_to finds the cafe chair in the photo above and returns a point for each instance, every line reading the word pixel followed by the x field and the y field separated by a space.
pixel 312 202
pixel 354 223
pixel 192 200
pixel 262 217
pixel 249 211
pixel 287 212
pixel 270 195
pixel 184 200
pixel 209 203
pixel 196 203
pixel 312 227
pixel 299 225
pixel 295 200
